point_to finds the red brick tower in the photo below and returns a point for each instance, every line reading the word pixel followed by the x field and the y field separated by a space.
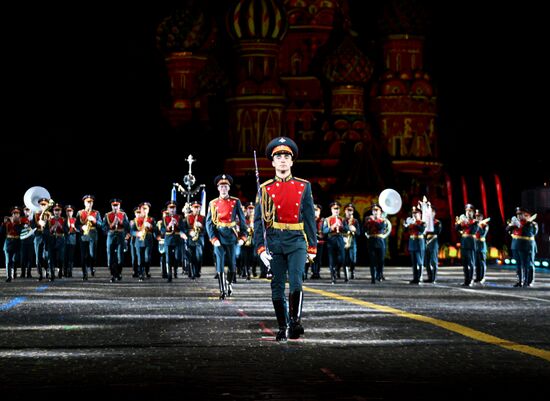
pixel 184 38
pixel 257 102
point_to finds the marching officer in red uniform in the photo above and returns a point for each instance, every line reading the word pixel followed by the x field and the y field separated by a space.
pixel 334 229
pixel 417 246
pixel 377 229
pixel 194 228
pixel 481 247
pixel 285 234
pixel 56 241
pixel 225 224
pixel 87 221
pixel 116 226
pixel 173 231
pixel 12 228
pixel 523 229
pixel 352 230
pixel 144 232
pixel 467 225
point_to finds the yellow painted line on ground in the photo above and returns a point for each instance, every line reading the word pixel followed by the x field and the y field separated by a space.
pixel 454 327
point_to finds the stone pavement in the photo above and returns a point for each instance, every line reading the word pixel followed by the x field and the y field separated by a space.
pixel 389 341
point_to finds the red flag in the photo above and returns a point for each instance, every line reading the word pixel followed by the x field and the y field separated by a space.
pixel 499 196
pixel 464 190
pixel 450 200
pixel 483 195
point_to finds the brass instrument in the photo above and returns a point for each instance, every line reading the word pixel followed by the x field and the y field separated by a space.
pixel 142 233
pixel 250 235
pixel 460 219
pixel 348 241
pixel 390 201
pixel 409 221
pixel 484 221
pixel 86 228
pixel 196 229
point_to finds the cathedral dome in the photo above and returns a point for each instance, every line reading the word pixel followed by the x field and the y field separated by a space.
pixel 257 20
pixel 348 65
pixel 186 29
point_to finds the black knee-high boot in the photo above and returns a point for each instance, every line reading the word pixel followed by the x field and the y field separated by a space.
pixel 296 300
pixel 230 276
pixel 281 314
pixel 222 284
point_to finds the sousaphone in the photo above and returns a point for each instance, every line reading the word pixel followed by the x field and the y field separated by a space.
pixel 390 201
pixel 31 198
pixel 33 195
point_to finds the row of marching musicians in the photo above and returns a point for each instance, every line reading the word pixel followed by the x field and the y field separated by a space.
pixel 338 234
pixel 51 238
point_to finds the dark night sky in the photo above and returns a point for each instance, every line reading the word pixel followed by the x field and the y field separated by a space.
pixel 88 81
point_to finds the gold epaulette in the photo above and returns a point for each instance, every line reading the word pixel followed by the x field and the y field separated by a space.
pixel 267 183
pixel 301 179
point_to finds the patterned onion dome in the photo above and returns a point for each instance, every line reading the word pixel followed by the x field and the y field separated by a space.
pixel 186 29
pixel 257 20
pixel 311 12
pixel 404 17
pixel 348 65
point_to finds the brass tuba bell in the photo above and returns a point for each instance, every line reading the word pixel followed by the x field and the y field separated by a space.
pixel 33 195
pixel 390 201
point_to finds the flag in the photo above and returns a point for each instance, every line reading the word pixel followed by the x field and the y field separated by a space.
pixel 483 196
pixel 203 202
pixel 499 196
pixel 464 190
pixel 450 200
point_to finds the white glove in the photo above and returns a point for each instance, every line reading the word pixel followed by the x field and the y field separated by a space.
pixel 352 229
pixel 91 218
pixel 216 243
pixel 240 242
pixel 266 257
pixel 311 256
